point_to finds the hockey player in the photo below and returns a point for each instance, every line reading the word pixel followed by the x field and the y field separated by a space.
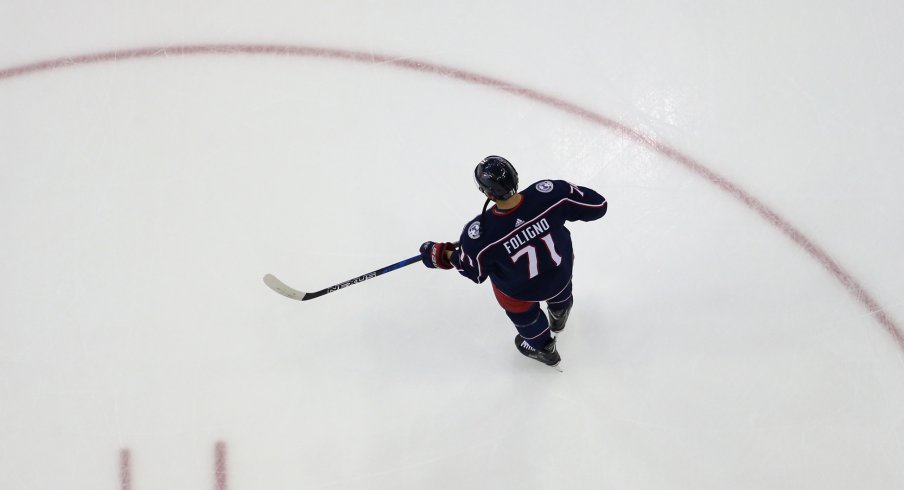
pixel 521 244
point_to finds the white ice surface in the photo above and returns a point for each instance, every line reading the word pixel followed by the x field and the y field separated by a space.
pixel 142 201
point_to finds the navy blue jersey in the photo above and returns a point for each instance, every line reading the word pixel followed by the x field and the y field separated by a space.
pixel 526 251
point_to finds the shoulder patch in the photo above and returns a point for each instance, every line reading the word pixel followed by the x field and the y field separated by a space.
pixel 474 230
pixel 545 186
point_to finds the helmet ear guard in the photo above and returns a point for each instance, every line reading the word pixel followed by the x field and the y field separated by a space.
pixel 496 177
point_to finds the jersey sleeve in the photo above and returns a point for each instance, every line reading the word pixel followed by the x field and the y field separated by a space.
pixel 465 258
pixel 467 266
pixel 584 203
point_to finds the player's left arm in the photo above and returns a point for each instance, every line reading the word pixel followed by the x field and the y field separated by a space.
pixel 445 255
pixel 466 264
pixel 435 255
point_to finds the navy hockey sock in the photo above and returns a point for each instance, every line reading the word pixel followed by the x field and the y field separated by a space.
pixel 533 327
pixel 558 308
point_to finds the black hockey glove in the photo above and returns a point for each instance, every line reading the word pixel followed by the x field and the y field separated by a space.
pixel 434 254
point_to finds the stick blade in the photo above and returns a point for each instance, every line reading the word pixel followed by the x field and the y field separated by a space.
pixel 280 287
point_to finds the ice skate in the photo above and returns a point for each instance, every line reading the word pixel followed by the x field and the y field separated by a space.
pixel 557 319
pixel 547 355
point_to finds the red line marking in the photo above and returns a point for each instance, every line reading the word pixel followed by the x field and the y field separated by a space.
pixel 818 253
pixel 125 470
pixel 220 466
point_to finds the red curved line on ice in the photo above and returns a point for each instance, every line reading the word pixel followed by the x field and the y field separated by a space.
pixel 792 232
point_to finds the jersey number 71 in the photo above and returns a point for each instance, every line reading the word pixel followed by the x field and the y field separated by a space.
pixel 531 253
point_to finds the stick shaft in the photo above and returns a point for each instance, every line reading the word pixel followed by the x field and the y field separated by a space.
pixel 361 278
pixel 280 287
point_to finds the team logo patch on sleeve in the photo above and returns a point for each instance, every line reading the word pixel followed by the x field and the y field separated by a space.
pixel 545 186
pixel 474 230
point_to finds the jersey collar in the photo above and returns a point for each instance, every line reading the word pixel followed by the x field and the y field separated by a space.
pixel 507 212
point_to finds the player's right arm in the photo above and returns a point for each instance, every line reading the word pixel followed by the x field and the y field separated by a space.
pixel 584 203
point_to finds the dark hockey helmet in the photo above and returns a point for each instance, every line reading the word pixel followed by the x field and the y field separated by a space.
pixel 496 177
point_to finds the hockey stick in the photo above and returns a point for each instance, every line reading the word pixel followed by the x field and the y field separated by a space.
pixel 280 287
